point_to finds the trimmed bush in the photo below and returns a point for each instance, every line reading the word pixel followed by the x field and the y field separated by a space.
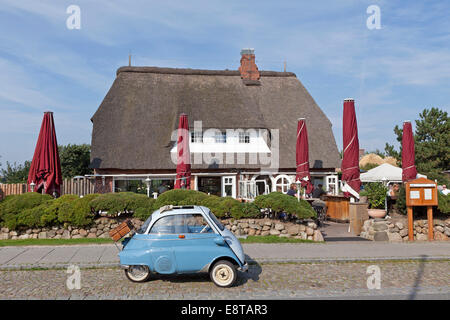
pixel 180 197
pixel 12 206
pixel 120 202
pixel 279 202
pixel 444 203
pixel 245 210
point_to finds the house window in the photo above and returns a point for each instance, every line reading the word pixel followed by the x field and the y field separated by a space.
pixel 220 137
pixel 282 183
pixel 196 137
pixel 244 137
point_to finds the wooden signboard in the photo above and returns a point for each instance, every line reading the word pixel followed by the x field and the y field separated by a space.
pixel 421 192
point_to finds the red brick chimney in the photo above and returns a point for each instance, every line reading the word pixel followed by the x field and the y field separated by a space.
pixel 248 68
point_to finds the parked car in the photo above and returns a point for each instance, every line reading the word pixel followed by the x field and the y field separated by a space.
pixel 183 239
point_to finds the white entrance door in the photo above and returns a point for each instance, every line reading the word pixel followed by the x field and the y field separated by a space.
pixel 331 184
pixel 229 186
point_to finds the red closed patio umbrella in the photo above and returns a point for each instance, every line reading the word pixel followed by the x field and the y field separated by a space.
pixel 183 180
pixel 350 159
pixel 409 171
pixel 45 169
pixel 302 157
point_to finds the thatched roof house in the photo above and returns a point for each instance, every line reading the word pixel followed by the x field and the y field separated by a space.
pixel 133 127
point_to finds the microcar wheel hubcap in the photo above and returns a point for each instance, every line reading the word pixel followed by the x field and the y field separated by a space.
pixel 223 275
pixel 137 272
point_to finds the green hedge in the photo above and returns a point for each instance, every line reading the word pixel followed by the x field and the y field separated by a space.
pixel 22 206
pixel 35 210
pixel 279 202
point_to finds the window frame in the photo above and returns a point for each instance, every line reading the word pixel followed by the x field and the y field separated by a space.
pixel 213 230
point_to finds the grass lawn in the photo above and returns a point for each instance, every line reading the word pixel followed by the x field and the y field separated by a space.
pixel 273 239
pixel 56 242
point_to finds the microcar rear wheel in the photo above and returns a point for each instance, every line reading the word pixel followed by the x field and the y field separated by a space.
pixel 223 274
pixel 138 273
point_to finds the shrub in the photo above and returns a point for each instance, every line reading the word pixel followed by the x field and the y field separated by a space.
pixel 179 197
pixel 376 194
pixel 279 202
pixel 13 205
pixel 31 218
pixel 245 210
pixel 120 202
pixel 61 204
pixel 400 203
pixel 444 203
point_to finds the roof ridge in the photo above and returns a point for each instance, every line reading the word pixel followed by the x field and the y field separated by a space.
pixel 189 71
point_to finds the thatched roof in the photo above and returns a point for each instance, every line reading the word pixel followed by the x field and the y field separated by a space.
pixel 133 125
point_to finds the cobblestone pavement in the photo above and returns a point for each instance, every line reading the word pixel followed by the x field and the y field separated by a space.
pixel 263 281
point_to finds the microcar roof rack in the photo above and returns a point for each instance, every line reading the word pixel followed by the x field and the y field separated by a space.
pixel 171 207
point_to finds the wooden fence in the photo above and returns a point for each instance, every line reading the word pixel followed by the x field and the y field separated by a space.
pixel 79 187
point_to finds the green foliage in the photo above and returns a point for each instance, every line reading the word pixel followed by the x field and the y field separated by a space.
pixel 179 197
pixel 400 203
pixel 279 202
pixel 57 207
pixel 15 173
pixel 75 160
pixel 245 210
pixel 376 194
pixel 432 149
pixel 444 203
pixel 13 205
pixel 115 203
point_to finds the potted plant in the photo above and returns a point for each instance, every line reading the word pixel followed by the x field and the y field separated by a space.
pixel 376 196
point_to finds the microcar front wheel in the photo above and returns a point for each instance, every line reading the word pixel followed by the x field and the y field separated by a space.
pixel 137 273
pixel 223 274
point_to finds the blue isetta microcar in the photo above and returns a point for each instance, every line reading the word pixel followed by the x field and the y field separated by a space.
pixel 183 239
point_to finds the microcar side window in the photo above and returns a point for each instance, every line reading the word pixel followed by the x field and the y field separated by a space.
pixel 144 227
pixel 181 223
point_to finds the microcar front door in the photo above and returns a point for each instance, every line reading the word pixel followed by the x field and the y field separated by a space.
pixel 161 237
pixel 197 244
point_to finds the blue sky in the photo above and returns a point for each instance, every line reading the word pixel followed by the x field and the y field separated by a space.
pixel 392 73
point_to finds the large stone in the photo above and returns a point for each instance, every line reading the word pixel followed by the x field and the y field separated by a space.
pixel 251 232
pixel 51 234
pixel 394 236
pixel 42 235
pixel 302 227
pixel 13 233
pixel 74 232
pixel 66 234
pixel 255 226
pixel 403 232
pixel 24 236
pixel 266 228
pixel 265 233
pixel 293 230
pixel 274 232
pixel 380 226
pixel 77 236
pixel 82 232
pixel 34 236
pixel 421 223
pixel 243 225
pixel 318 236
pixel 4 236
pixel 285 235
pixel 312 225
pixel 440 236
pixel 310 238
pixel 5 230
pixel 447 231
pixel 58 236
pixel 279 226
pixel 103 236
pixel 268 223
pixel 440 229
pixel 421 237
pixel 92 235
pixel 381 236
pixel 29 231
pixel 309 231
pixel 303 236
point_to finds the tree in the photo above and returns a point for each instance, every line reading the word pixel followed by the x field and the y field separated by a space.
pixel 15 173
pixel 75 160
pixel 431 136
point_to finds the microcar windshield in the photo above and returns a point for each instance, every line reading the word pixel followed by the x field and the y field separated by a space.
pixel 144 227
pixel 216 221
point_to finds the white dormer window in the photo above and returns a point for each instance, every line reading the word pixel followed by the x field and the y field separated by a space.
pixel 197 137
pixel 220 137
pixel 244 137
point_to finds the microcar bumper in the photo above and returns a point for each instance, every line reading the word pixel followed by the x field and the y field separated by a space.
pixel 244 268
